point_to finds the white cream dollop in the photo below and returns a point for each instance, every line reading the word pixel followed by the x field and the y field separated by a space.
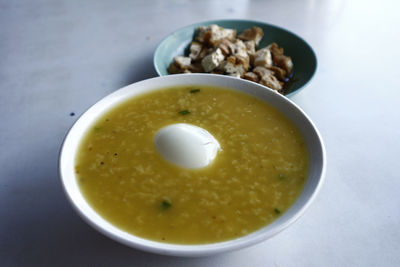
pixel 186 145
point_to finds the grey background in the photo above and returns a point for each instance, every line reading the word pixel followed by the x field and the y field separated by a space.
pixel 60 57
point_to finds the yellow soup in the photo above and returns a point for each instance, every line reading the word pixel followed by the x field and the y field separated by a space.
pixel 256 177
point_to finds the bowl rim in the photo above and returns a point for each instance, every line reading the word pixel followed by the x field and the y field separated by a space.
pixel 190 250
pixel 157 52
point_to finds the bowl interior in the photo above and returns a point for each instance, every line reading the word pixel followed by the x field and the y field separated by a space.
pixel 294 113
pixel 304 59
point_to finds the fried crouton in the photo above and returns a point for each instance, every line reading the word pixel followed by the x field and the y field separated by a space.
pixel 182 62
pixel 251 76
pixel 235 69
pixel 263 58
pixel 253 34
pixel 278 72
pixel 267 78
pixel 212 60
pixel 280 59
pixel 195 50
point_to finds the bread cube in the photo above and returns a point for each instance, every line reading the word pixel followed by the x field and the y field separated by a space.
pixel 253 34
pixel 212 60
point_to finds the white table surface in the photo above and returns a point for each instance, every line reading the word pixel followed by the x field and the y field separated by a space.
pixel 59 57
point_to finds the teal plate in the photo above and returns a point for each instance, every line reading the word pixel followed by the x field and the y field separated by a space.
pixel 304 59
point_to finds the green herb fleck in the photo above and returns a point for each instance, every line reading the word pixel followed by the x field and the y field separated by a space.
pixel 98 128
pixel 184 112
pixel 165 204
pixel 193 91
pixel 282 176
pixel 277 211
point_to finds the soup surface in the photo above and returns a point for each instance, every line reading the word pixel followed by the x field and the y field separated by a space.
pixel 256 177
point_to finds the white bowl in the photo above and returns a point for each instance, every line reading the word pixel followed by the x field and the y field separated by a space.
pixel 287 107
